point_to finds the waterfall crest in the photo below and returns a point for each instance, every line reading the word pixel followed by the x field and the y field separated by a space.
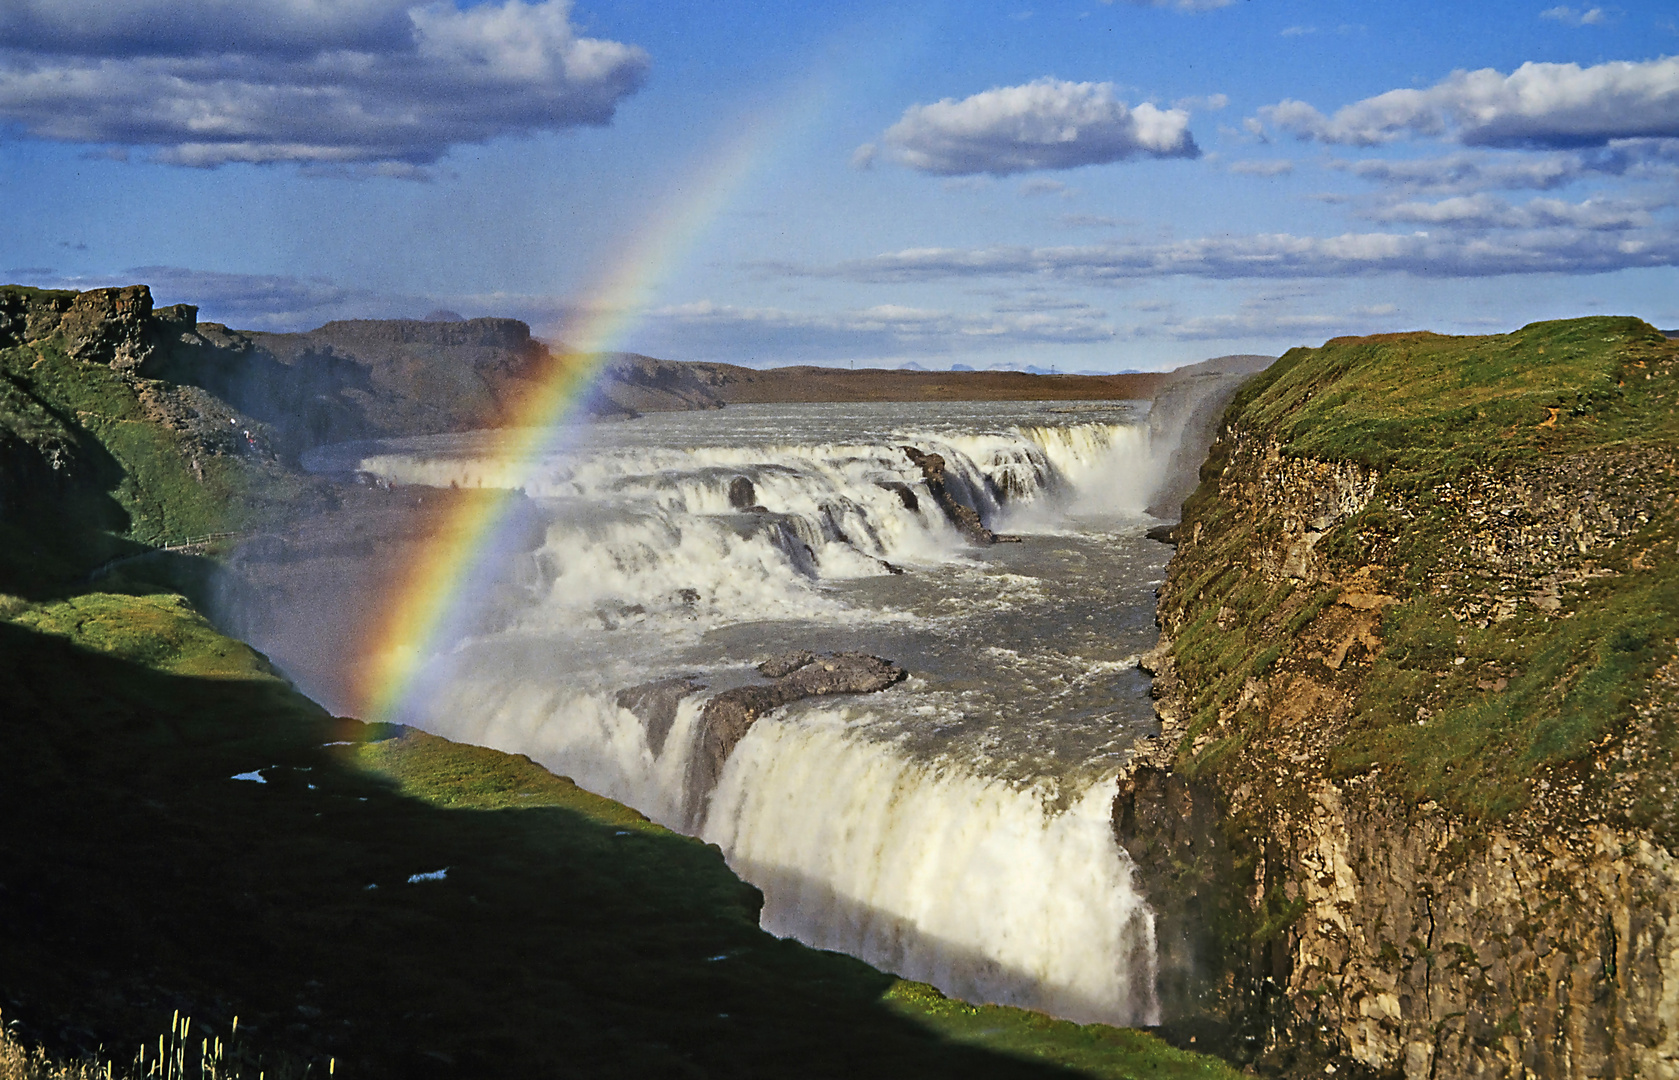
pixel 953 828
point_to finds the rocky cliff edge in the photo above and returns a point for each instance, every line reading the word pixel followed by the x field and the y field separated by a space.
pixel 1411 812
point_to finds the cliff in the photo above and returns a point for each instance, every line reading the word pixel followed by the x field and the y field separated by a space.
pixel 1409 813
pixel 98 460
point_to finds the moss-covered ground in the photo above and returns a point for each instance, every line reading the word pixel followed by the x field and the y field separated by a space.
pixel 90 472
pixel 1465 703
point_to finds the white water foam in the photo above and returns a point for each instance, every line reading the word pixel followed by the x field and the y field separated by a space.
pixel 987 891
pixel 929 864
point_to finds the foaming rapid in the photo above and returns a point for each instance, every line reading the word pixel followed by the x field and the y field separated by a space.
pixel 954 828
pixel 988 891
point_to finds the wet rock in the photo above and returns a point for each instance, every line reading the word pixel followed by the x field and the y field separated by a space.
pixel 742 495
pixel 965 518
pixel 729 715
pixel 785 664
pixel 655 704
pixel 1165 534
pixel 904 492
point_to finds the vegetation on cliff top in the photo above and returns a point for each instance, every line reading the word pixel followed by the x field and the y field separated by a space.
pixel 1508 649
pixel 96 462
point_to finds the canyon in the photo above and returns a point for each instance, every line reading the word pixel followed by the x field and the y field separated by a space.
pixel 1407 810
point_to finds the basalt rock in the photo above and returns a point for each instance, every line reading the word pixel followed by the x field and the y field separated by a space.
pixel 906 494
pixel 785 664
pixel 742 495
pixel 965 518
pixel 102 326
pixel 799 675
pixel 1326 904
pixel 655 705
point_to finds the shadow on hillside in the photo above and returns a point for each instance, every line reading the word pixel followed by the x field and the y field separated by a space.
pixel 58 512
pixel 138 877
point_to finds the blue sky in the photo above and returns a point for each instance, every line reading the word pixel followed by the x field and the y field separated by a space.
pixel 1083 185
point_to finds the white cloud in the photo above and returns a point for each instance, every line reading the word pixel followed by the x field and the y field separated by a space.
pixel 1482 211
pixel 354 83
pixel 1297 31
pixel 896 327
pixel 1272 167
pixel 1046 124
pixel 1537 105
pixel 1564 14
pixel 1429 254
pixel 1470 171
pixel 1261 318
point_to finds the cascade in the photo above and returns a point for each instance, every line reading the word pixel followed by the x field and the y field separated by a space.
pixel 954 828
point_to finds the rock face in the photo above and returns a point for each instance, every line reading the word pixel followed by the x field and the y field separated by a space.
pixel 102 326
pixel 965 518
pixel 742 495
pixel 799 675
pixel 1185 417
pixel 1394 821
pixel 655 705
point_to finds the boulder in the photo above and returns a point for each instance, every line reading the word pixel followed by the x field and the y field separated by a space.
pixel 655 704
pixel 729 715
pixel 965 518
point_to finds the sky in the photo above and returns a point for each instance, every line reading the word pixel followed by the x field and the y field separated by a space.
pixel 1070 185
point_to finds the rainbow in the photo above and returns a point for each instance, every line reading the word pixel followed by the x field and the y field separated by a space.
pixel 432 598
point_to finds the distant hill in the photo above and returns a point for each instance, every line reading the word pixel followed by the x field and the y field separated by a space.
pixel 1235 364
pixel 372 378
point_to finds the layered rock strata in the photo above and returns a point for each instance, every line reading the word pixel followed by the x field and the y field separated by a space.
pixel 1410 812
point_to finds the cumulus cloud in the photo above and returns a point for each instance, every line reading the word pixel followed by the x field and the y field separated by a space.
pixel 1445 254
pixel 1536 106
pixel 1564 14
pixel 361 82
pixel 1046 124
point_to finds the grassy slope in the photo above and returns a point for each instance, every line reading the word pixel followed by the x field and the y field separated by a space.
pixel 570 937
pixel 133 483
pixel 1429 413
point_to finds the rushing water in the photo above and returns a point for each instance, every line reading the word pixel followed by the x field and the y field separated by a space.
pixel 954 828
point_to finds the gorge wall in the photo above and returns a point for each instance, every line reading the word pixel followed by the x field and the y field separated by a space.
pixel 1411 809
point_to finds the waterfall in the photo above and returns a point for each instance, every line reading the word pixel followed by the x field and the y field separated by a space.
pixel 981 888
pixel 953 829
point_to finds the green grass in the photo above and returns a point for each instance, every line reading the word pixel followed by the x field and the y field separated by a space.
pixel 125 481
pixel 1424 412
pixel 570 936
